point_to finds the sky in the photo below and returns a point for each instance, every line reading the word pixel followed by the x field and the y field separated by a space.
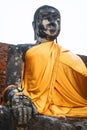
pixel 16 18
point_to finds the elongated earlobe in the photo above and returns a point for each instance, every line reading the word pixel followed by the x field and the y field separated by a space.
pixel 34 28
pixel 33 24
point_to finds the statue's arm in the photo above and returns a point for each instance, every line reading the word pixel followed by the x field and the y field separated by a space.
pixel 20 106
pixel 84 58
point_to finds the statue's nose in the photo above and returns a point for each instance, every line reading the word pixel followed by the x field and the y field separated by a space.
pixel 50 18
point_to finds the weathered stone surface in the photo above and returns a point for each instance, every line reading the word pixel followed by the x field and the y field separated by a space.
pixel 4 48
pixel 15 62
pixel 42 122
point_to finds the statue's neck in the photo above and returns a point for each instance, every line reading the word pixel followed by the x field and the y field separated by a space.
pixel 42 40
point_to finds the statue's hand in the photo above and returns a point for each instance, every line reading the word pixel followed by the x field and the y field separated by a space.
pixel 22 110
pixel 20 105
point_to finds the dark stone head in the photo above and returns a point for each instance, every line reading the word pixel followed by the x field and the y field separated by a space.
pixel 46 22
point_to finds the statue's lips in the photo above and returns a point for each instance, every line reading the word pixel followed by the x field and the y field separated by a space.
pixel 52 31
pixel 52 28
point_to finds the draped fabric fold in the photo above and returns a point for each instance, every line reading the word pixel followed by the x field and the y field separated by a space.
pixel 55 80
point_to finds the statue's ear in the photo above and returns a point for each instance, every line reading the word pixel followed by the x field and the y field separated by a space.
pixel 33 25
pixel 34 28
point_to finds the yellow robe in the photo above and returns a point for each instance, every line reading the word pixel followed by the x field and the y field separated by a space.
pixel 55 80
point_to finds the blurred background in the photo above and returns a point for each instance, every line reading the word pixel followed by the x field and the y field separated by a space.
pixel 16 18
